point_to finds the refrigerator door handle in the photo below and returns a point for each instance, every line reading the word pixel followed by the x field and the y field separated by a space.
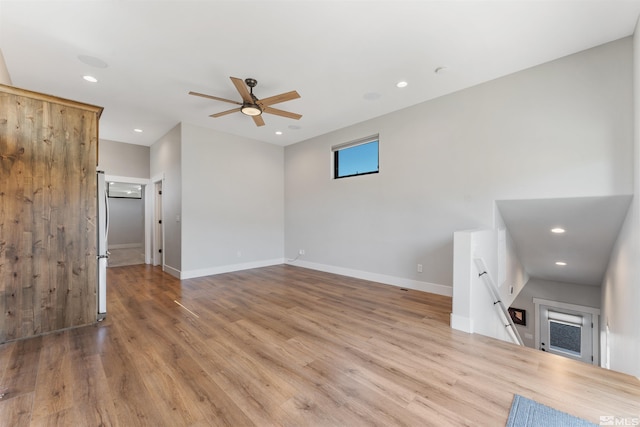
pixel 106 217
pixel 102 254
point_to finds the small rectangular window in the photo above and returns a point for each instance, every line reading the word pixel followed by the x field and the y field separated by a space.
pixel 122 190
pixel 356 158
pixel 565 338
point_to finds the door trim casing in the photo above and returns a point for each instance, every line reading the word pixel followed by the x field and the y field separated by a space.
pixel 153 208
pixel 595 316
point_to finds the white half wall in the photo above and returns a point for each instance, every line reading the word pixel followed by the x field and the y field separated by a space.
pixel 474 306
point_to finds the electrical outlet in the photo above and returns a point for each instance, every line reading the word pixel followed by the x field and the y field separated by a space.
pixel 301 252
pixel 419 268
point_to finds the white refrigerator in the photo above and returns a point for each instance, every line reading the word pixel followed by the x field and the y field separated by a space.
pixel 102 253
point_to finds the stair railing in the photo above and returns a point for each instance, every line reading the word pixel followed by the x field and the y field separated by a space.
pixel 483 273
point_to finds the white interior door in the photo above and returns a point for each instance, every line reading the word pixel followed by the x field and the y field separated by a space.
pixel 568 333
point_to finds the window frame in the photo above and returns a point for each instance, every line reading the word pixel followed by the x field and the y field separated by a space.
pixel 336 149
pixel 135 190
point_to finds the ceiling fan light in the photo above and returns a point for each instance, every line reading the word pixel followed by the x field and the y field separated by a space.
pixel 251 110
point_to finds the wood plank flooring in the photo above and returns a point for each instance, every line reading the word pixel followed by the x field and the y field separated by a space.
pixel 285 346
pixel 120 257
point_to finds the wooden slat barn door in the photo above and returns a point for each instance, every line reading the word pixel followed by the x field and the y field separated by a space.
pixel 48 155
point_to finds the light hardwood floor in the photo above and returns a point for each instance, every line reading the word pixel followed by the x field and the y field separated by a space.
pixel 125 256
pixel 285 346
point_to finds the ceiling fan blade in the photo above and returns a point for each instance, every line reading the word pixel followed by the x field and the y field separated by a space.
pixel 242 89
pixel 288 96
pixel 282 113
pixel 215 98
pixel 258 120
pixel 224 113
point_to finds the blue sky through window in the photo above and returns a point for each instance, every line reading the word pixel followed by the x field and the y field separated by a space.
pixel 357 160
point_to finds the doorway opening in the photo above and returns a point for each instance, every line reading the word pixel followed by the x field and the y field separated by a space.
pixel 126 224
pixel 128 236
pixel 568 330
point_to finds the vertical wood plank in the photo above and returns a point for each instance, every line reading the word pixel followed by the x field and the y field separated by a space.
pixel 22 368
pixel 13 188
pixel 5 142
pixel 48 259
pixel 38 221
pixel 28 304
pixel 95 405
pixel 28 307
pixel 55 370
pixel 17 411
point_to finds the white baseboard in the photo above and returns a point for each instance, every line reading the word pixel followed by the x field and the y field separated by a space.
pixel 172 271
pixel 126 246
pixel 380 278
pixel 229 268
pixel 461 323
pixel 365 275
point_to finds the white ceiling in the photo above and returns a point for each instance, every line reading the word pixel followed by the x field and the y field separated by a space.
pixel 592 225
pixel 344 58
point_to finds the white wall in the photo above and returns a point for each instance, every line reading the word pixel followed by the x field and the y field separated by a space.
pixel 512 276
pixel 562 129
pixel 621 284
pixel 126 222
pixel 5 78
pixel 166 163
pixel 232 202
pixel 568 293
pixel 128 163
pixel 121 159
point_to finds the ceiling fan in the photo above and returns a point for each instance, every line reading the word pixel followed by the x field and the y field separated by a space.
pixel 251 105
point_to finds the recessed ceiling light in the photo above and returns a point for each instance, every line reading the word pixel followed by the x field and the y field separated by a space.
pixel 561 263
pixel 558 230
pixel 137 130
pixel 402 84
pixel 90 79
pixel 278 132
